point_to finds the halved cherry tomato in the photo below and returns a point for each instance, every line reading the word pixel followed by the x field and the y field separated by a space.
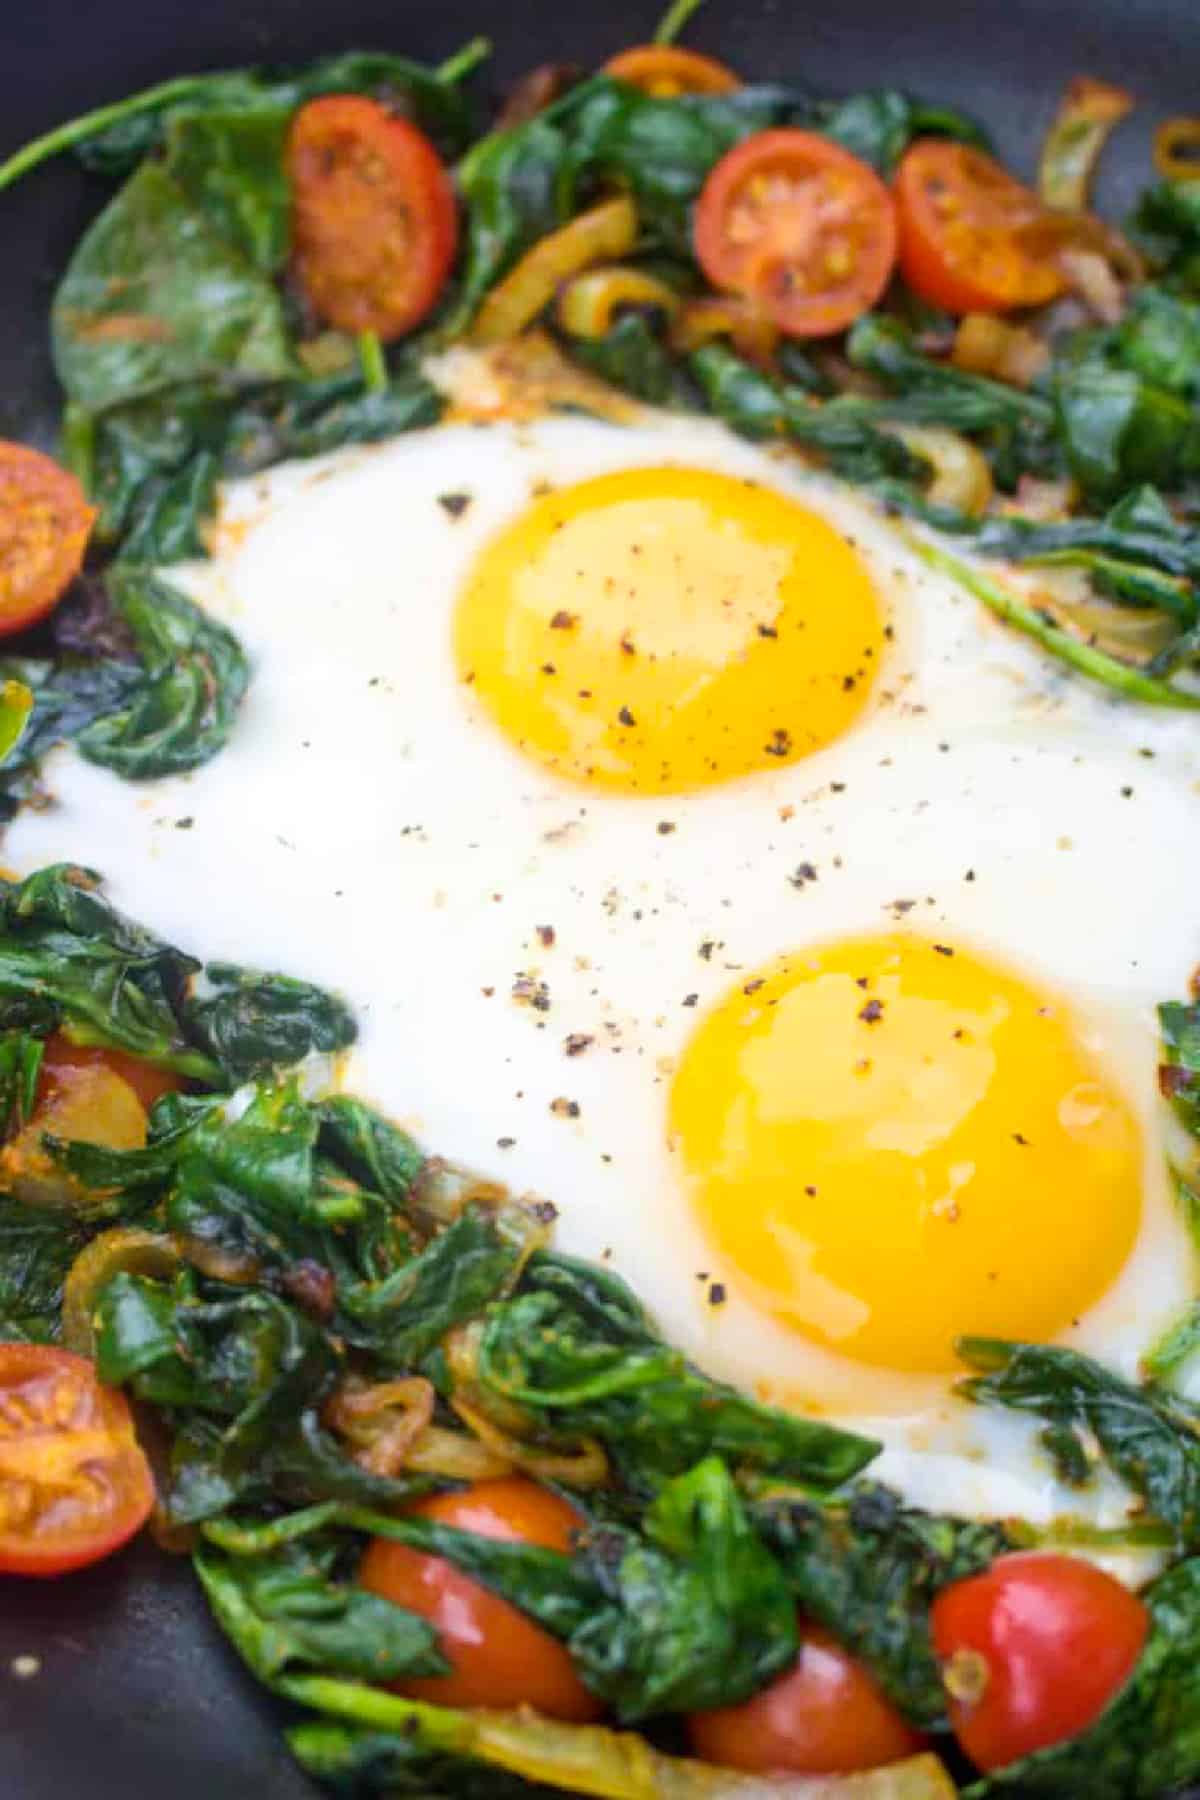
pixel 823 1716
pixel 148 1082
pixel 962 220
pixel 1032 1652
pixel 666 71
pixel 45 522
pixel 498 1656
pixel 801 226
pixel 74 1484
pixel 374 221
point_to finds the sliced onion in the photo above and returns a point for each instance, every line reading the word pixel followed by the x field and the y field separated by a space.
pixel 1085 119
pixel 752 334
pixel 961 476
pixel 586 1467
pixel 987 345
pixel 1091 277
pixel 602 234
pixel 589 303
pixel 1177 149
pixel 381 1420
pixel 125 1250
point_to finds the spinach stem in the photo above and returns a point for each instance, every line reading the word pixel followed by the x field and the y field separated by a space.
pixel 674 19
pixel 370 356
pixel 1120 677
pixel 465 61
pixel 65 137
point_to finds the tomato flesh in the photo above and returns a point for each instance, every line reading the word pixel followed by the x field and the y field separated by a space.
pixel 374 221
pixel 963 224
pixel 74 1484
pixel 498 1656
pixel 45 523
pixel 148 1082
pixel 1033 1650
pixel 666 71
pixel 823 1716
pixel 800 226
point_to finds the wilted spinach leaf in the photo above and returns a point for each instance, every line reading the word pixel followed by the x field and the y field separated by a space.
pixel 36 1251
pixel 253 1024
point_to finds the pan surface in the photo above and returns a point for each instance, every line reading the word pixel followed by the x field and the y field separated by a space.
pixel 134 1693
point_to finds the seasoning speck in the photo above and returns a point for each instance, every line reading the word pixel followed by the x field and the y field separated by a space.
pixel 562 1108
pixel 545 935
pixel 626 717
pixel 454 504
pixel 505 1143
pixel 665 827
pixel 802 874
pixel 872 1012
pixel 716 1293
pixel 576 1042
pixel 563 621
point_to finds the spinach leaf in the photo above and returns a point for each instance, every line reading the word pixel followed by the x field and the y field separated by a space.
pixel 369 1147
pixel 36 1251
pixel 230 166
pixel 1149 1436
pixel 655 1414
pixel 67 956
pixel 631 356
pixel 68 696
pixel 155 297
pixel 359 1763
pixel 1166 226
pixel 253 1024
pixel 1117 430
pixel 517 186
pixel 469 1264
pixel 194 678
pixel 699 1613
pixel 867 1569
pixel 286 1612
pixel 1179 1075
pixel 1147 1743
pixel 1159 339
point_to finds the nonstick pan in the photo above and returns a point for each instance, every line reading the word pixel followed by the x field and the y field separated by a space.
pixel 131 1692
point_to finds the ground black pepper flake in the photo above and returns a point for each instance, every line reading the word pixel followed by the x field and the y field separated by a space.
pixel 716 1294
pixel 872 1012
pixel 505 1143
pixel 576 1042
pixel 549 669
pixel 752 987
pixel 1019 1139
pixel 627 645
pixel 706 949
pixel 781 742
pixel 626 717
pixel 943 950
pixel 562 1108
pixel 767 631
pixel 837 787
pixel 563 621
pixel 527 990
pixel 665 827
pixel 811 1192
pixel 454 504
pixel 802 874
pixel 184 824
pixel 1127 793
pixel 546 935
pixel 690 999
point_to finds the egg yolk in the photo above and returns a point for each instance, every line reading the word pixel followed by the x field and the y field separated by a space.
pixel 662 629
pixel 892 1143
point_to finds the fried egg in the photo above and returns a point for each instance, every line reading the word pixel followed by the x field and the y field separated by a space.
pixel 697 858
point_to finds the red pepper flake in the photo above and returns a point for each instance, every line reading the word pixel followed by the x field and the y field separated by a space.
pixel 564 621
pixel 872 1012
pixel 576 1042
pixel 562 1108
pixel 545 935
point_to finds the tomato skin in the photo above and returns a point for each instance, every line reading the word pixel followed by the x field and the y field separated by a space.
pixel 374 219
pixel 55 1417
pixel 801 227
pixel 148 1082
pixel 961 215
pixel 499 1657
pixel 823 1716
pixel 666 71
pixel 45 523
pixel 1050 1639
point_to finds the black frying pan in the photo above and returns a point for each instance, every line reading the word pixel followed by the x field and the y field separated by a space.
pixel 137 1695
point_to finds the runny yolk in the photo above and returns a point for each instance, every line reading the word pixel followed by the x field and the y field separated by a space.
pixel 893 1142
pixel 662 629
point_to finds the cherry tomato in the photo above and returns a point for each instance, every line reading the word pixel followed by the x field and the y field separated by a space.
pixel 45 522
pixel 148 1082
pixel 374 222
pixel 74 1485
pixel 824 1716
pixel 498 1656
pixel 962 225
pixel 801 226
pixel 666 71
pixel 1033 1650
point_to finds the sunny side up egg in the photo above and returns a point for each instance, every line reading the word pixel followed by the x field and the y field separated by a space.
pixel 695 858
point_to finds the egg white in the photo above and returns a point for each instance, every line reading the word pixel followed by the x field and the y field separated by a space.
pixel 368 828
